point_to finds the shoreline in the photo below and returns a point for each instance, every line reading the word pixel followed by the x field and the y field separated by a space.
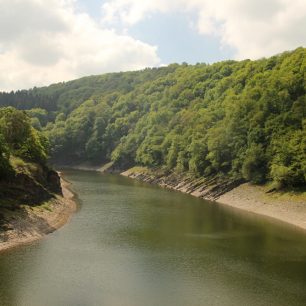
pixel 34 223
pixel 279 206
pixel 285 207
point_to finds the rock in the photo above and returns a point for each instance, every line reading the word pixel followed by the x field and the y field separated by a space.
pixel 207 188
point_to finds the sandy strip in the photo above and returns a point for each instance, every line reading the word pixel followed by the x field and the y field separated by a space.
pixel 34 223
pixel 288 208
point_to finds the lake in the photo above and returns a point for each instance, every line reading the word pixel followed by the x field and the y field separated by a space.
pixel 134 244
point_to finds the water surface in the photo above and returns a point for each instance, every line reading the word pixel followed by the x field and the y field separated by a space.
pixel 134 244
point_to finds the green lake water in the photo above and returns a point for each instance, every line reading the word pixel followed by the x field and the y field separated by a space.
pixel 133 244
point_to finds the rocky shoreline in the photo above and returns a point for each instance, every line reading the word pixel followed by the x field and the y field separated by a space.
pixel 286 207
pixel 206 188
pixel 28 224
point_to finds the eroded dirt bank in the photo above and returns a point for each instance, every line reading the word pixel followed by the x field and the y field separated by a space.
pixel 27 224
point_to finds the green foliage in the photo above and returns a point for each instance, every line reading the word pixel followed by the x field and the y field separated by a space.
pixel 288 167
pixel 4 158
pixel 15 127
pixel 236 119
pixel 19 138
pixel 254 164
pixel 34 148
pixel 39 117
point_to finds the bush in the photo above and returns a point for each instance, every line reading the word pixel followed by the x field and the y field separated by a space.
pixel 20 138
pixel 4 159
pixel 254 165
pixel 282 176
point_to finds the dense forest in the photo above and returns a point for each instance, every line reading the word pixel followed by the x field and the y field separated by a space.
pixel 237 119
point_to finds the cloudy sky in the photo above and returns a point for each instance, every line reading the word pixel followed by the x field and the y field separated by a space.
pixel 47 41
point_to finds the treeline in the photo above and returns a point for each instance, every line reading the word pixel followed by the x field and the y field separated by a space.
pixel 235 119
pixel 19 139
pixel 65 97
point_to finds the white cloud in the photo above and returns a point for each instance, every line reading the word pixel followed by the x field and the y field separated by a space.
pixel 132 11
pixel 254 28
pixel 258 28
pixel 45 41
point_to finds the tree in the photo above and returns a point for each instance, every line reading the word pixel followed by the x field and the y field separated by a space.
pixel 20 137
pixel 4 159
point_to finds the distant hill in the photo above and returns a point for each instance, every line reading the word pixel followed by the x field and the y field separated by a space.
pixel 232 119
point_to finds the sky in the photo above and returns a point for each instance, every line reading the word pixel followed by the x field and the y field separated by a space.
pixel 48 41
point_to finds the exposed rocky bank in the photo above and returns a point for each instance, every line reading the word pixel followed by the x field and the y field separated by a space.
pixel 287 207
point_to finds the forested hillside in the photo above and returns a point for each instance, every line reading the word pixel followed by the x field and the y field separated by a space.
pixel 24 175
pixel 233 119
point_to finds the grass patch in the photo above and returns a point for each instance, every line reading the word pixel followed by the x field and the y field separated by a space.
pixel 21 166
pixel 138 170
pixel 43 206
pixel 294 194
